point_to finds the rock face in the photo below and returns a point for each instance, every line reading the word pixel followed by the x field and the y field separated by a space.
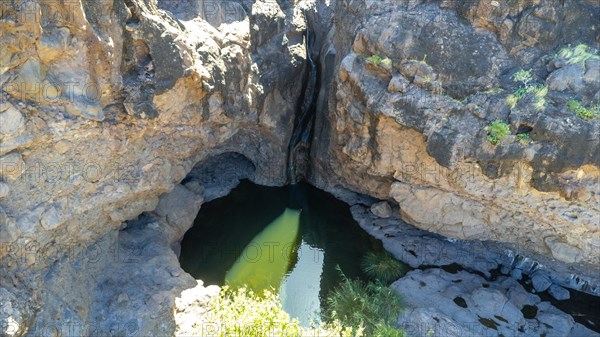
pixel 109 106
pixel 464 304
pixel 105 107
pixel 418 248
pixel 416 134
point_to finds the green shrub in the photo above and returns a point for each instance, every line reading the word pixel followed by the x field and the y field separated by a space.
pixel 583 112
pixel 497 131
pixel 386 330
pixel 242 312
pixel 378 61
pixel 579 54
pixel 363 306
pixel 524 138
pixel 527 86
pixel 382 267
pixel 523 76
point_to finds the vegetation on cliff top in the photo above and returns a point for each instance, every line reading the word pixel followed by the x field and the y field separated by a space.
pixel 579 54
pixel 527 86
pixel 378 61
pixel 584 113
pixel 497 131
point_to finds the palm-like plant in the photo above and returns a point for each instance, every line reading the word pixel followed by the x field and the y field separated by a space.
pixel 382 267
pixel 366 306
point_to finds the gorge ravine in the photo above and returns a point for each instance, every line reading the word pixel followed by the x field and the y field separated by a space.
pixel 97 190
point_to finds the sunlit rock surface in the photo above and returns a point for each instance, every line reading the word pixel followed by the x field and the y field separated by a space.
pixel 416 134
pixel 467 304
pixel 108 105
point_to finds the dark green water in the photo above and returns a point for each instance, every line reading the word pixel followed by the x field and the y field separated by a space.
pixel 254 233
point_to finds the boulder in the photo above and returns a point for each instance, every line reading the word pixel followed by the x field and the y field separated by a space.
pixel 563 251
pixel 382 209
pixel 475 306
pixel 398 83
pixel 11 119
pixel 190 306
pixel 540 281
pixel 569 77
pixel 517 274
pixel 559 292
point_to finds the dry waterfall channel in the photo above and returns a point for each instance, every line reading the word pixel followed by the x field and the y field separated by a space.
pixel 300 142
pixel 153 151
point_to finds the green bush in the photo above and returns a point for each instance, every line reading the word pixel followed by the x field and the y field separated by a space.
pixel 497 131
pixel 523 76
pixel 527 86
pixel 368 307
pixel 583 112
pixel 374 59
pixel 242 312
pixel 378 61
pixel 579 54
pixel 386 330
pixel 524 138
pixel 382 267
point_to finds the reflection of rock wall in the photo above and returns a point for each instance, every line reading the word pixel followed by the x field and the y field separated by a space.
pixel 106 106
pixel 415 133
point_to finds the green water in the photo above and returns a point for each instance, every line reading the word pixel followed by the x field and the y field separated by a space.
pixel 258 272
pixel 289 238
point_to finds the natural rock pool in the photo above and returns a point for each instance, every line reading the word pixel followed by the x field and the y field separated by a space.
pixel 290 238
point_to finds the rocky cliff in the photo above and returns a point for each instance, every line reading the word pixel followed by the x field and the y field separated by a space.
pixel 416 130
pixel 109 105
pixel 106 106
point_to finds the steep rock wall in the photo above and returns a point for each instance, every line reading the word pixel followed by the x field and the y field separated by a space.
pixel 106 105
pixel 414 132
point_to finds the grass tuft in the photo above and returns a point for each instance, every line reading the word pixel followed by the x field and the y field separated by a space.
pixel 382 267
pixel 579 54
pixel 583 112
pixel 386 330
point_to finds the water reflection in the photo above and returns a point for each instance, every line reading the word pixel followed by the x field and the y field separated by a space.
pixel 300 288
pixel 290 238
